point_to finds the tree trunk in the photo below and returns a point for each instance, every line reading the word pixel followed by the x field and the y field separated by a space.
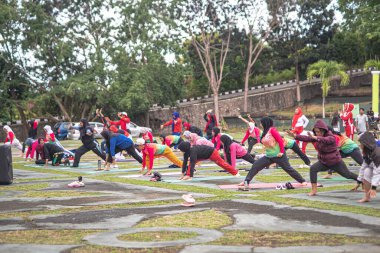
pixel 146 114
pixel 84 111
pixel 298 84
pixel 247 74
pixel 323 107
pixel 63 109
pixel 216 105
pixel 23 120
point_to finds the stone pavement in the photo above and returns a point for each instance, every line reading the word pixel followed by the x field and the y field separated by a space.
pixel 115 203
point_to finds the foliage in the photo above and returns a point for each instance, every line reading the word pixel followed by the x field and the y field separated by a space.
pixel 272 76
pixel 372 64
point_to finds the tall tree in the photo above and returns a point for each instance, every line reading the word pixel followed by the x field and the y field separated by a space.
pixel 306 30
pixel 209 23
pixel 327 71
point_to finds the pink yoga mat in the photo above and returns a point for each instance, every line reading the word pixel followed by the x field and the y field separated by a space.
pixel 264 186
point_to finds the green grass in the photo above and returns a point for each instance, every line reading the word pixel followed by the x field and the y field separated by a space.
pixel 209 219
pixel 36 236
pixel 24 187
pixel 157 236
pixel 102 249
pixel 283 239
pixel 58 194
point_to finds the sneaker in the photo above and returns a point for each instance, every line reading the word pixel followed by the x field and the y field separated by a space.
pixel 301 166
pixel 188 198
pixel 173 166
pixel 75 184
pixel 244 163
pixel 237 174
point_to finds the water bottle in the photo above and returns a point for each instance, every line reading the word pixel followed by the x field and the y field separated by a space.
pixel 99 164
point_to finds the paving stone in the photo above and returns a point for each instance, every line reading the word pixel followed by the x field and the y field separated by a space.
pixel 32 248
pixel 109 238
pixel 217 249
pixel 339 197
pixel 26 174
pixel 362 248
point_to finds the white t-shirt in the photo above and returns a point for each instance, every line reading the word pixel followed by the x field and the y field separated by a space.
pixel 302 121
pixel 361 122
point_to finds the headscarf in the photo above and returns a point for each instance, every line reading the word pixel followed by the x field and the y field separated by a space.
pixel 107 135
pixel 85 122
pixel 296 117
pixel 7 128
pixel 184 147
pixel 216 130
pixel 175 115
pixel 251 127
pixel 371 152
pixel 186 125
pixel 226 144
pixel 48 130
pixel 187 134
pixel 267 123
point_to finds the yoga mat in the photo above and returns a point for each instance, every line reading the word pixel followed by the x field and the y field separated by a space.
pixel 198 179
pixel 264 186
pixel 335 179
pixel 163 174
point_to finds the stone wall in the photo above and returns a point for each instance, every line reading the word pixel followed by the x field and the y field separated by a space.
pixel 261 100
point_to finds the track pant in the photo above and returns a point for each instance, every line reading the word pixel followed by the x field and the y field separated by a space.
pixel 131 151
pixel 215 157
pixel 265 161
pixel 15 144
pixel 251 142
pixel 168 153
pixel 301 154
pixel 94 147
pixel 356 155
pixel 66 150
pixel 340 168
pixel 249 158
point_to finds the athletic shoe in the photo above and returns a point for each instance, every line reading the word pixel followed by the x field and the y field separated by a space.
pixel 188 198
pixel 244 163
pixel 173 166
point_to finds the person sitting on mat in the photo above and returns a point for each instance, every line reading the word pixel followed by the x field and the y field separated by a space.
pixel 328 154
pixel 370 169
pixel 201 152
pixel 117 142
pixel 233 150
pixel 347 148
pixel 275 153
pixel 86 135
pixel 195 139
pixel 192 129
pixel 153 150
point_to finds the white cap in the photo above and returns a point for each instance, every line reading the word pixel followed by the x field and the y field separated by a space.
pixel 124 113
pixel 209 111
pixel 186 134
pixel 140 141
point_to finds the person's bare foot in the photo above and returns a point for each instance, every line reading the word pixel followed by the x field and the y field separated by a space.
pixel 312 193
pixel 328 176
pixel 363 200
pixel 186 178
pixel 181 177
pixel 304 183
pixel 241 184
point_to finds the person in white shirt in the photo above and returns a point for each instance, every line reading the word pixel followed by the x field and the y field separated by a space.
pixel 361 122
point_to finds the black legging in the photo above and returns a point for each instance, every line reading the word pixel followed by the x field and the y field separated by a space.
pixel 340 168
pixel 93 146
pixel 281 161
pixel 251 142
pixel 299 152
pixel 130 150
pixel 356 155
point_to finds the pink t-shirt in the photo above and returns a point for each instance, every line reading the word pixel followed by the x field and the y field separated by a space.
pixel 236 151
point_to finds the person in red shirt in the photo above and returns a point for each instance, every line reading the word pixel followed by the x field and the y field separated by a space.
pixel 11 139
pixel 348 120
pixel 123 122
pixel 210 118
pixel 175 123
pixel 33 125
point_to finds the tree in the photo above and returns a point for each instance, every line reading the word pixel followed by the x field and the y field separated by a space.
pixel 372 64
pixel 252 14
pixel 327 71
pixel 209 24
pixel 306 30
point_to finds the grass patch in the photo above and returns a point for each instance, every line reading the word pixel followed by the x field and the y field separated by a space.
pixel 160 236
pixel 283 239
pixel 24 187
pixel 102 249
pixel 45 236
pixel 210 219
pixel 58 194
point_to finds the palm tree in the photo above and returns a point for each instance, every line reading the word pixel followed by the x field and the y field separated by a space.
pixel 327 70
pixel 372 64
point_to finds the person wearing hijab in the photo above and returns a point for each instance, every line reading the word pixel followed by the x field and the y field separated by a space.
pixel 11 139
pixel 147 135
pixel 210 118
pixel 328 154
pixel 33 126
pixel 50 138
pixel 347 148
pixel 115 143
pixel 123 122
pixel 233 150
pixel 252 134
pixel 299 123
pixel 195 139
pixel 348 120
pixel 153 150
pixel 370 170
pixel 275 153
pixel 192 129
pixel 175 123
pixel 86 135
pixel 198 153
